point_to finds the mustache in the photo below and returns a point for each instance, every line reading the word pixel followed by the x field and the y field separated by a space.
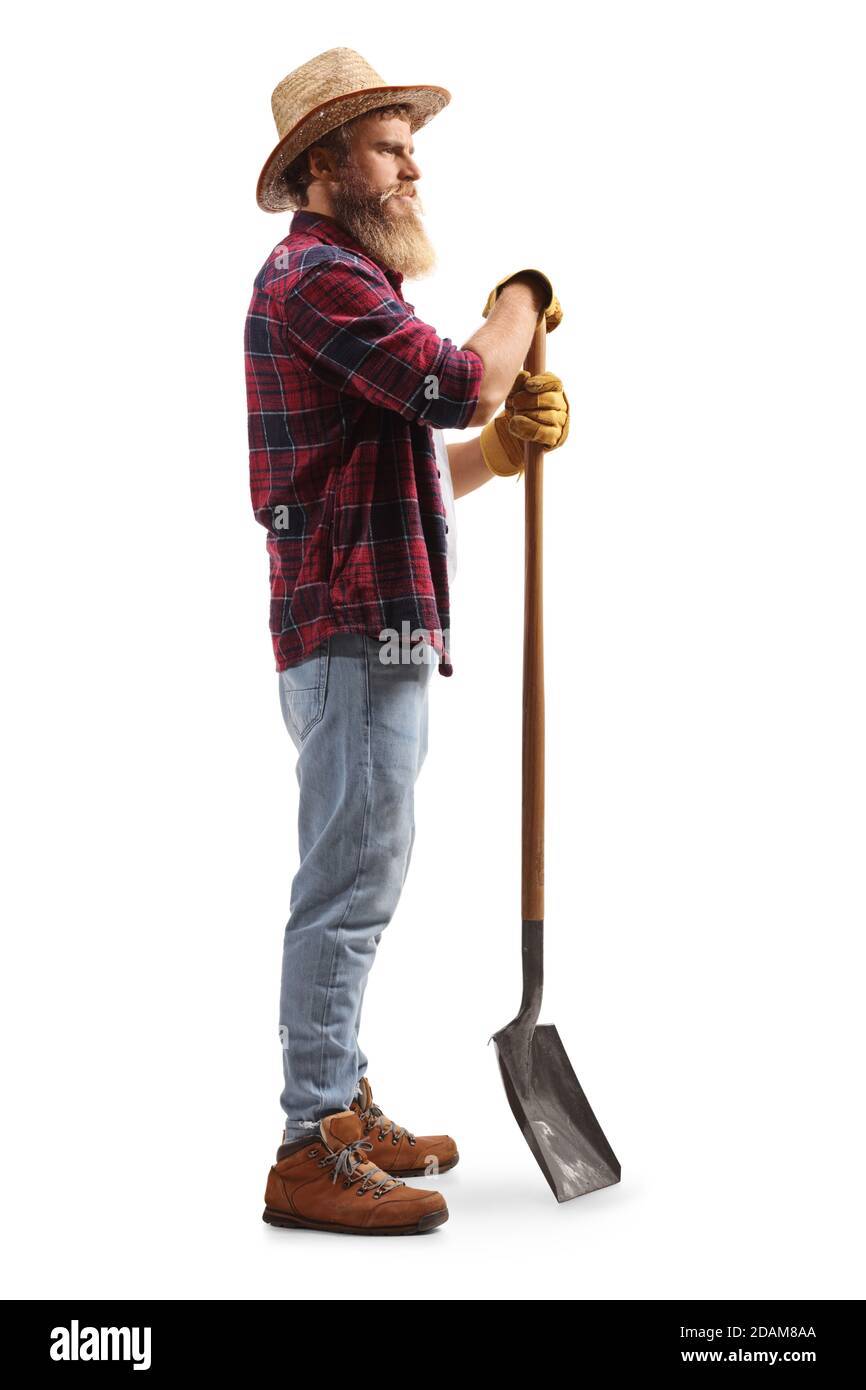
pixel 399 192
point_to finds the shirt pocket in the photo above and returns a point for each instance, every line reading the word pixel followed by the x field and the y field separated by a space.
pixel 302 693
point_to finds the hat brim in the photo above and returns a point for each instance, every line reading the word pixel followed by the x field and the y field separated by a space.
pixel 426 102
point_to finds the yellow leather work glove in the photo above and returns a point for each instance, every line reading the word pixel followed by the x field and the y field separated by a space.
pixel 552 308
pixel 536 408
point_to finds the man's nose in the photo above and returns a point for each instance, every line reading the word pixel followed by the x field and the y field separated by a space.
pixel 411 170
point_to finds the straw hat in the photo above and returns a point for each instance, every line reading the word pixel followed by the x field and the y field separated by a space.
pixel 322 94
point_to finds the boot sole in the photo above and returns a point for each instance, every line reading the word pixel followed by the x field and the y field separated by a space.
pixel 419 1172
pixel 426 1223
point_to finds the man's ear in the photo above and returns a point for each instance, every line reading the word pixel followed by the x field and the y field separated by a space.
pixel 320 162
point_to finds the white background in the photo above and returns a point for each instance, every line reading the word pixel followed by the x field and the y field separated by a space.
pixel 690 175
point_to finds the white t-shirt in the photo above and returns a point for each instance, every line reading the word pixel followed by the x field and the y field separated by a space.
pixel 448 498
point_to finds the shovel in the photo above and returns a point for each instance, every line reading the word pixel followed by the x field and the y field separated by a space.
pixel 546 1097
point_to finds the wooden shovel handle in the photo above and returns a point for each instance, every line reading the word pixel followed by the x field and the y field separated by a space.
pixel 532 878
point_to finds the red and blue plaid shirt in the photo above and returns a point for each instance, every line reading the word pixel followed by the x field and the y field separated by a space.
pixel 344 388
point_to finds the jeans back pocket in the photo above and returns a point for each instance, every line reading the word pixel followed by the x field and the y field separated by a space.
pixel 302 692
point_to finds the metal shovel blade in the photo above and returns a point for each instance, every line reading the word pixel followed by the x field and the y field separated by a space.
pixel 549 1104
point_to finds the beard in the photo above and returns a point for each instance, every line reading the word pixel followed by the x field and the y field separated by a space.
pixel 396 239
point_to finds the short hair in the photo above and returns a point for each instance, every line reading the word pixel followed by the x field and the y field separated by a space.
pixel 296 179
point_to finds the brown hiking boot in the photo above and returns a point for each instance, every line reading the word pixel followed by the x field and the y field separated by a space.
pixel 400 1152
pixel 327 1184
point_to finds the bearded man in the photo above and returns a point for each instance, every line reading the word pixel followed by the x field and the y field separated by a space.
pixel 348 397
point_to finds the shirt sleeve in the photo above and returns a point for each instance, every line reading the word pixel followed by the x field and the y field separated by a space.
pixel 355 334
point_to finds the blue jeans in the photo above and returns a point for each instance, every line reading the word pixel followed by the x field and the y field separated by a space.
pixel 360 729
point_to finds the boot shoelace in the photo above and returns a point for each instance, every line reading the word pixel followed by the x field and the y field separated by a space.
pixel 374 1113
pixel 349 1162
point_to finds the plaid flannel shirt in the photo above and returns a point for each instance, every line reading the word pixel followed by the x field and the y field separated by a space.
pixel 344 388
